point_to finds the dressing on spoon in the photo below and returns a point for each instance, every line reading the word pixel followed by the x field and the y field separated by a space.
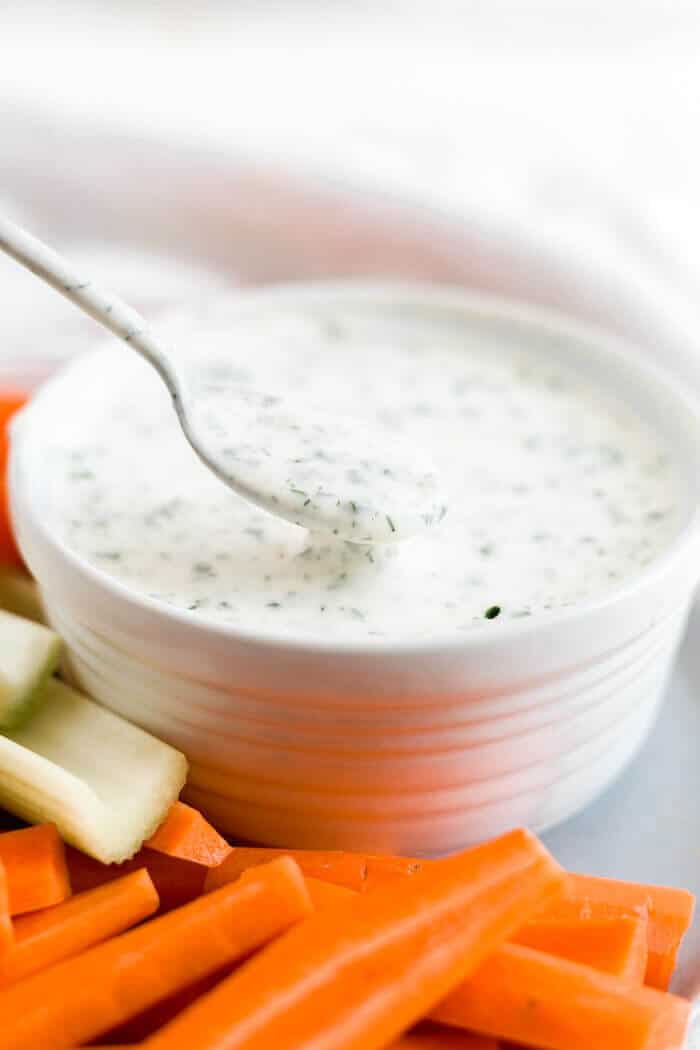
pixel 327 474
pixel 321 473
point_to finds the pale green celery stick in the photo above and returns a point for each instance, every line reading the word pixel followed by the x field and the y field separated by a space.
pixel 104 783
pixel 19 594
pixel 29 654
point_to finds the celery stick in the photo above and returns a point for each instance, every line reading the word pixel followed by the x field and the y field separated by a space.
pixel 106 784
pixel 19 594
pixel 29 654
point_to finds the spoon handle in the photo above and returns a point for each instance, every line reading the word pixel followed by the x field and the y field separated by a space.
pixel 103 306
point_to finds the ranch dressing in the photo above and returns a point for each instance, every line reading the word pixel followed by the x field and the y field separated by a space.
pixel 556 491
pixel 329 474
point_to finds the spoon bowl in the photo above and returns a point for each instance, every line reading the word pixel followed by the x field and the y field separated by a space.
pixel 321 472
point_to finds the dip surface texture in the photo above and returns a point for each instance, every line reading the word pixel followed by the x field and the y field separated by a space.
pixel 556 490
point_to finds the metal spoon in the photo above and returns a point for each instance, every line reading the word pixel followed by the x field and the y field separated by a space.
pixel 327 474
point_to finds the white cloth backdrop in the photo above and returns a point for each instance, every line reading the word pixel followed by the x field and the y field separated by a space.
pixel 557 138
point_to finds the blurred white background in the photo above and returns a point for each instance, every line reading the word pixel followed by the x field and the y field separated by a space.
pixel 555 140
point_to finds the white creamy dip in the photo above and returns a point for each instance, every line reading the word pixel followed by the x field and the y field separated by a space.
pixel 331 474
pixel 556 490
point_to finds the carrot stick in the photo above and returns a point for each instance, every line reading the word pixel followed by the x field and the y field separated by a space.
pixel 615 942
pixel 140 1028
pixel 343 869
pixel 327 895
pixel 356 976
pixel 616 946
pixel 177 881
pixel 7 935
pixel 35 865
pixel 435 1037
pixel 47 937
pixel 670 914
pixel 355 871
pixel 322 894
pixel 571 909
pixel 529 997
pixel 186 834
pixel 79 999
pixel 670 910
pixel 383 871
pixel 9 554
pixel 10 402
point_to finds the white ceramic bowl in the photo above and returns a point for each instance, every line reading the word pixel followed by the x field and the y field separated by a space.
pixel 387 746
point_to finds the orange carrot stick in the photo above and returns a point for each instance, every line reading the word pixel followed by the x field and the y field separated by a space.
pixel 326 894
pixel 10 402
pixel 35 865
pixel 142 1026
pixel 355 871
pixel 7 935
pixel 670 914
pixel 610 938
pixel 186 834
pixel 529 997
pixel 177 881
pixel 356 976
pixel 616 946
pixel 47 937
pixel 582 909
pixel 435 1037
pixel 669 910
pixel 383 871
pixel 9 553
pixel 322 894
pixel 77 1000
pixel 343 869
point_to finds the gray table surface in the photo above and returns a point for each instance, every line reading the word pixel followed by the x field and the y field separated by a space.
pixel 646 827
